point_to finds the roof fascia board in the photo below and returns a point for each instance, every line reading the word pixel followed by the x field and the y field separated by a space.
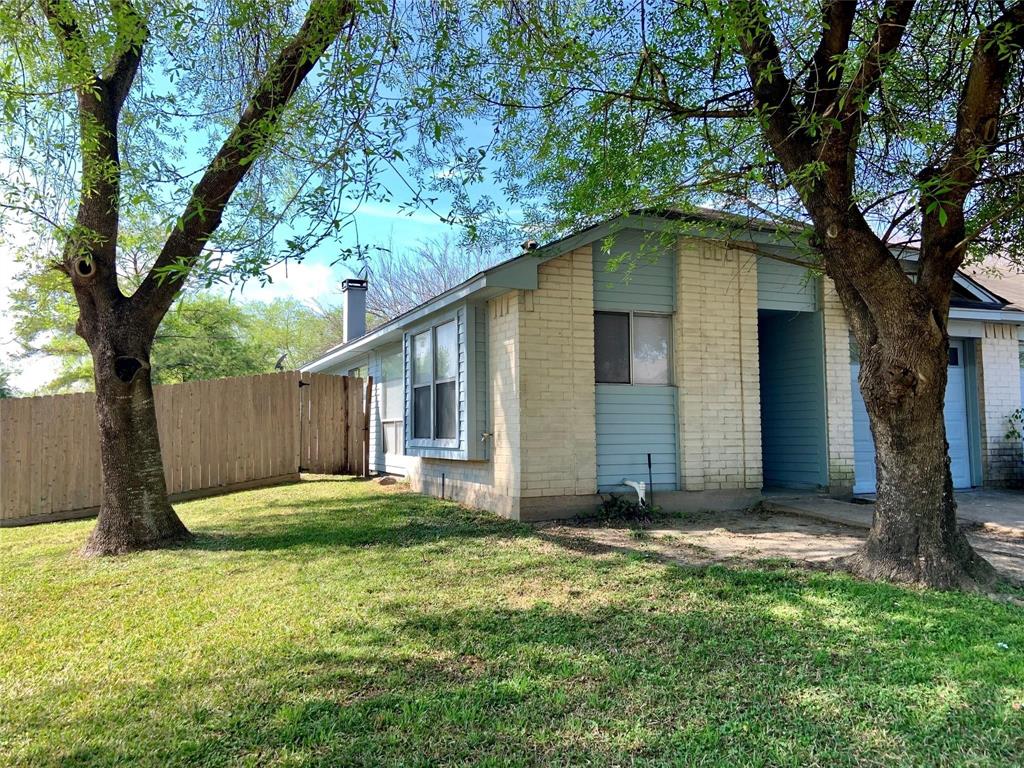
pixel 393 328
pixel 991 315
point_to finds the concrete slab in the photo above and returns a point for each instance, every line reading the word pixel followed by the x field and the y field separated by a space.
pixel 995 511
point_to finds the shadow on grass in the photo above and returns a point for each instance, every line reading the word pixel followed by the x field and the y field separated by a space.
pixel 726 668
pixel 385 519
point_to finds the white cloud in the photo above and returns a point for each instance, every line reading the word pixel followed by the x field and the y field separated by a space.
pixel 306 281
pixel 29 375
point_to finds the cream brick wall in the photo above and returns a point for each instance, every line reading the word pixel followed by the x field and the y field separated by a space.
pixel 556 357
pixel 999 394
pixel 716 368
pixel 838 392
pixel 493 484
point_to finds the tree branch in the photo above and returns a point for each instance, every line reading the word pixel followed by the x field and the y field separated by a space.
pixel 131 37
pixel 887 37
pixel 772 89
pixel 975 135
pixel 826 70
pixel 204 210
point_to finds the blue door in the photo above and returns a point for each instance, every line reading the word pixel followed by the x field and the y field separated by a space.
pixel 956 427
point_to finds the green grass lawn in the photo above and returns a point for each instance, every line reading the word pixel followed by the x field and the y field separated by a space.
pixel 340 623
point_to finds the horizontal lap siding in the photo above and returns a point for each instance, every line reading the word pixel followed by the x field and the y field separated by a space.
pixel 793 424
pixel 632 422
pixel 637 274
pixel 786 287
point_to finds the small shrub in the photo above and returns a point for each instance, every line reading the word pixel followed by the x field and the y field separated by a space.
pixel 1016 430
pixel 616 508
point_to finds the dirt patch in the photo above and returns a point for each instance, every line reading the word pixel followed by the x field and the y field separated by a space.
pixel 746 538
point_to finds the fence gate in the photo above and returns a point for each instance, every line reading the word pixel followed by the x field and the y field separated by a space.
pixel 331 424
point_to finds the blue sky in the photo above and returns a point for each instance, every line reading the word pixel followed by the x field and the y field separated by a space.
pixel 315 279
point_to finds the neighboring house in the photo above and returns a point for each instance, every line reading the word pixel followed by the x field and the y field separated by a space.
pixel 548 379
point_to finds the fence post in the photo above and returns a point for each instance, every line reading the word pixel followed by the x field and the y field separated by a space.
pixel 366 426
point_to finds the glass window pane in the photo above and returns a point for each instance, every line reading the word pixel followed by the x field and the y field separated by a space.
pixel 446 420
pixel 447 353
pixel 391 372
pixel 393 437
pixel 611 347
pixel 421 413
pixel 421 358
pixel 652 342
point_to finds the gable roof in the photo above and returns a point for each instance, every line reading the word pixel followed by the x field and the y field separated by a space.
pixel 520 272
pixel 1002 279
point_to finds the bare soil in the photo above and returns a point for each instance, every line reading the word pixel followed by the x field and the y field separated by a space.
pixel 748 537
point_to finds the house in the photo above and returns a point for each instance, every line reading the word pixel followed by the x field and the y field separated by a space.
pixel 655 348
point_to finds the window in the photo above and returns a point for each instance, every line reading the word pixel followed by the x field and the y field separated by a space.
pixel 422 374
pixel 435 368
pixel 652 335
pixel 446 367
pixel 632 348
pixel 611 347
pixel 391 412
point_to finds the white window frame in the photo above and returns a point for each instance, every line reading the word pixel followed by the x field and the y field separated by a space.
pixel 433 442
pixel 632 329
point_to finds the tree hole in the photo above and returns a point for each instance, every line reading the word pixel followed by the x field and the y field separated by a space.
pixel 126 368
pixel 84 267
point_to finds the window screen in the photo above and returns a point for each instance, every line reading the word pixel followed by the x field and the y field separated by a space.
pixel 446 417
pixel 652 341
pixel 421 413
pixel 611 347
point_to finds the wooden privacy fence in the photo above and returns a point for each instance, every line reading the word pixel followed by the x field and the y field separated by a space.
pixel 215 436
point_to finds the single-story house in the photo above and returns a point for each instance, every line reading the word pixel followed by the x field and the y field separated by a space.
pixel 653 348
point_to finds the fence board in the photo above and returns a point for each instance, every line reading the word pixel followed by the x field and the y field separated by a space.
pixel 214 435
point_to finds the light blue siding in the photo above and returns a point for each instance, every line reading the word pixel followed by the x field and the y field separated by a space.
pixel 786 287
pixel 644 278
pixel 793 421
pixel 633 421
pixel 458 447
pixel 393 463
pixel 958 432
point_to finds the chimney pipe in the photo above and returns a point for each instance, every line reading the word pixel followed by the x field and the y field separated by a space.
pixel 353 307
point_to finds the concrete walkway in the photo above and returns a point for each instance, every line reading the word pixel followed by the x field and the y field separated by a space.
pixel 996 511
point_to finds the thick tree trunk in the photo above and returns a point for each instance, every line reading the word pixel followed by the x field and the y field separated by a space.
pixel 914 535
pixel 134 511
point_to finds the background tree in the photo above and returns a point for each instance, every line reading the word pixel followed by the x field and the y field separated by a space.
pixel 205 335
pixel 6 388
pixel 403 279
pixel 108 105
pixel 882 125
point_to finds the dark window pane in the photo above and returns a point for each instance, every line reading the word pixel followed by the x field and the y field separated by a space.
pixel 447 411
pixel 611 347
pixel 954 356
pixel 421 413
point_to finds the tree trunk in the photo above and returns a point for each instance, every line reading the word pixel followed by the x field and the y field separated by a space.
pixel 914 535
pixel 134 511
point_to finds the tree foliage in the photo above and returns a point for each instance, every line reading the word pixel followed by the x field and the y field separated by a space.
pixel 606 107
